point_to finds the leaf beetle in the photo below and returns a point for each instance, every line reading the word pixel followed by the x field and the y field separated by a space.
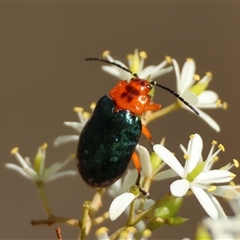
pixel 109 138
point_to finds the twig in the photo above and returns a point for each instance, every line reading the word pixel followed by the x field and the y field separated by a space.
pixel 54 219
pixel 58 232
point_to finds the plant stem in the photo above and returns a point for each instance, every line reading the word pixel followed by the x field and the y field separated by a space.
pixel 157 204
pixel 85 220
pixel 161 112
pixel 41 189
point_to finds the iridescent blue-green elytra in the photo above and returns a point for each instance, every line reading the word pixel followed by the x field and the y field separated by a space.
pixel 107 143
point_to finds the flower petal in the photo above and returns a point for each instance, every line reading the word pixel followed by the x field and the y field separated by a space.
pixel 75 125
pixel 169 159
pixel 117 72
pixel 32 174
pixel 208 120
pixel 59 175
pixel 155 71
pixel 235 205
pixel 190 97
pixel 178 77
pixel 187 74
pixel 56 167
pixel 115 189
pixel 214 176
pixel 229 192
pixel 128 181
pixel 161 72
pixel 17 168
pixel 218 206
pixel 65 139
pixel 207 97
pixel 205 201
pixel 179 187
pixel 113 71
pixel 194 150
pixel 119 204
pixel 145 160
pixel 169 173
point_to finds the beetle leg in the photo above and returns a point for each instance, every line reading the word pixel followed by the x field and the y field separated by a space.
pixel 137 165
pixel 146 133
pixel 153 107
pixel 136 162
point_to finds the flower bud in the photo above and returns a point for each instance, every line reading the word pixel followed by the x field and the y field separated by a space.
pixel 169 208
pixel 176 221
pixel 155 161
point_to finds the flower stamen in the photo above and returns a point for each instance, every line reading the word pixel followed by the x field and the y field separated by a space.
pixel 212 189
pixel 214 142
pixel 143 54
pixel 78 109
pixel 14 150
pixel 92 106
pixel 196 77
pixel 44 146
pixel 236 163
pixel 221 147
pixel 105 53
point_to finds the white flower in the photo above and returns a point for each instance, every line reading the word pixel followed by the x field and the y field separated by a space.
pixel 192 89
pixel 38 172
pixel 120 192
pixel 230 229
pixel 222 229
pixel 136 63
pixel 197 176
pixel 78 126
pixel 119 204
pixel 122 186
pixel 147 162
pixel 235 203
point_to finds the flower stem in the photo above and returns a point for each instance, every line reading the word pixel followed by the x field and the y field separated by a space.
pixel 156 205
pixel 161 112
pixel 131 212
pixel 146 186
pixel 85 220
pixel 41 189
pixel 55 219
pixel 96 201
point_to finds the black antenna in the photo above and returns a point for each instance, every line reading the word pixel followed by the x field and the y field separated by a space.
pixel 153 83
pixel 112 63
pixel 176 95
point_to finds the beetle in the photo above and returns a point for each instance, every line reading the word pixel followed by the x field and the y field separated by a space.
pixel 108 140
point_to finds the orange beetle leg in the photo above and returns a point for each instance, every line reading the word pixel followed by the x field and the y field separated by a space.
pixel 146 133
pixel 153 107
pixel 137 165
pixel 136 161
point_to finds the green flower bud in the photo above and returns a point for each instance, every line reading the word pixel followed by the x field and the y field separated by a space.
pixel 39 161
pixel 176 220
pixel 155 161
pixel 169 208
pixel 166 211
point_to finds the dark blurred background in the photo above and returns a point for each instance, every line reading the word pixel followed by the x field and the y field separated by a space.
pixel 44 75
